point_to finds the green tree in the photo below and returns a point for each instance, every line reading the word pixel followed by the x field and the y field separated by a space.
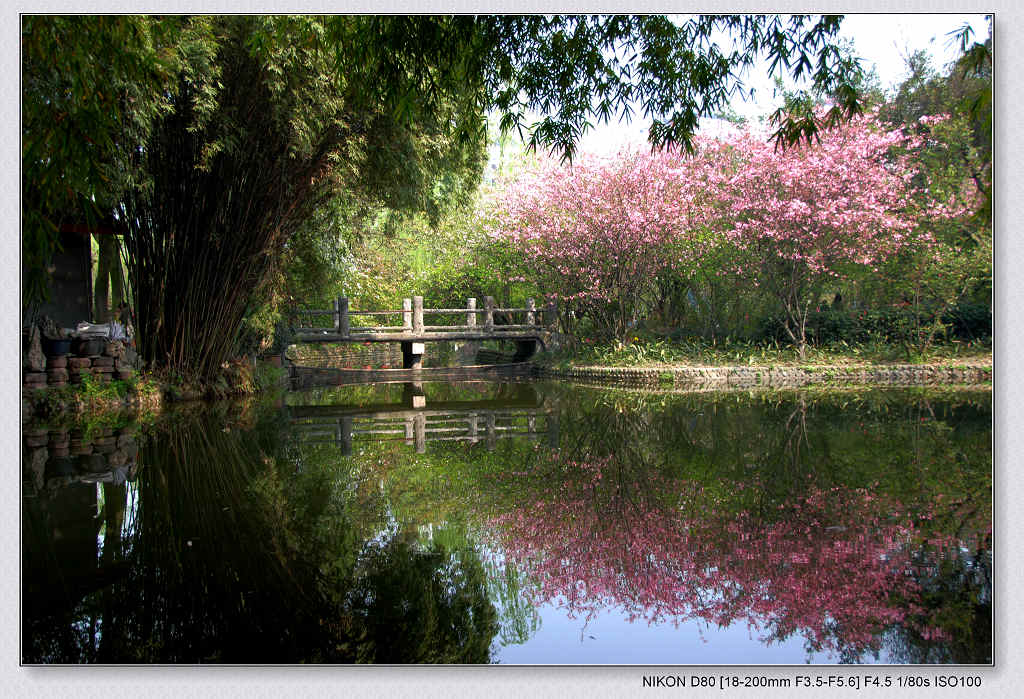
pixel 216 139
pixel 90 86
pixel 951 116
pixel 964 93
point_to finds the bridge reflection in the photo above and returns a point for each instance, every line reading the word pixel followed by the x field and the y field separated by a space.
pixel 415 422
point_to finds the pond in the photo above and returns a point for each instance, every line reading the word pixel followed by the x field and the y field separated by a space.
pixel 517 522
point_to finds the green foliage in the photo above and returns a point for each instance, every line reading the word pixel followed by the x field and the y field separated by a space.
pixel 700 298
pixel 577 68
pixel 893 325
pixel 883 339
pixel 963 146
pixel 421 604
pixel 90 89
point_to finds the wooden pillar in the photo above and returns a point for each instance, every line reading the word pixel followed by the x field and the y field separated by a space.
pixel 473 436
pixel 420 427
pixel 553 430
pixel 471 313
pixel 489 313
pixel 407 314
pixel 346 436
pixel 531 427
pixel 409 431
pixel 531 312
pixel 341 322
pixel 417 315
pixel 492 434
pixel 552 315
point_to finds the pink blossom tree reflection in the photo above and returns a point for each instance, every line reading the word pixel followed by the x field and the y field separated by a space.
pixel 832 565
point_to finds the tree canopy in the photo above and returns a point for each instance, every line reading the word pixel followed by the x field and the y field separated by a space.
pixel 212 140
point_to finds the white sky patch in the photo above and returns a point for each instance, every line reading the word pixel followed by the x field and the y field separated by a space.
pixel 882 41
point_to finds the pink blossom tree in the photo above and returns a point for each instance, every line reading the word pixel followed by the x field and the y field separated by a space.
pixel 796 220
pixel 816 213
pixel 595 235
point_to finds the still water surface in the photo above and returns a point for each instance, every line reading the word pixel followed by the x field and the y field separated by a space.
pixel 517 523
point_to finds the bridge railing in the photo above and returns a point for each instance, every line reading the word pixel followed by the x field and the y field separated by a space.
pixel 412 316
pixel 417 427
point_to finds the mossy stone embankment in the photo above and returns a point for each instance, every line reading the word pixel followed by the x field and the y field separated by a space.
pixel 776 376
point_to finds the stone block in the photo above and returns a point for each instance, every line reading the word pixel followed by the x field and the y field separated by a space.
pixel 132 357
pixel 35 358
pixel 125 374
pixel 79 362
pixel 57 375
pixel 114 349
pixel 102 362
pixel 35 378
pixel 57 362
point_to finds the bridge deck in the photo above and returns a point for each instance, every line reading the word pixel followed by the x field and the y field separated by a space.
pixel 438 336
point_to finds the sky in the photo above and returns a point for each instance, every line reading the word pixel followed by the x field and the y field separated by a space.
pixel 880 40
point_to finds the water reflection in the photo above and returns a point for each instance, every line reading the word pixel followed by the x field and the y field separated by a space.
pixel 374 524
pixel 519 413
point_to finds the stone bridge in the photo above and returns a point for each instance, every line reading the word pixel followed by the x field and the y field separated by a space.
pixel 414 332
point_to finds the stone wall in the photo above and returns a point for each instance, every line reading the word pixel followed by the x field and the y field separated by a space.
pixel 112 363
pixel 59 457
pixel 775 376
pixel 380 355
pixel 377 355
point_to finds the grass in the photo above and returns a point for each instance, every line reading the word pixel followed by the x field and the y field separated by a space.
pixel 91 404
pixel 98 404
pixel 650 351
